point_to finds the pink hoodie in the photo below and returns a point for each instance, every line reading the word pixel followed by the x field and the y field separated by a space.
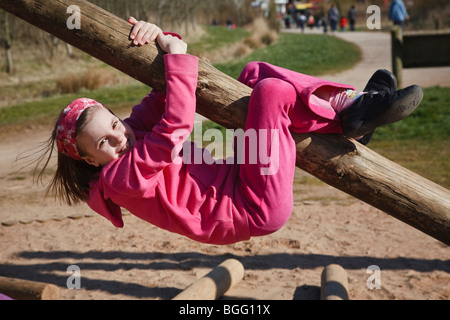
pixel 209 203
pixel 195 200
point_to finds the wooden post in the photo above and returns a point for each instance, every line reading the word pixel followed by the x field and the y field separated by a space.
pixel 334 283
pixel 28 290
pixel 216 283
pixel 396 49
pixel 340 162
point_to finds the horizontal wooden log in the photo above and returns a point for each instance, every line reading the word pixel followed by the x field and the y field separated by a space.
pixel 216 283
pixel 28 290
pixel 340 162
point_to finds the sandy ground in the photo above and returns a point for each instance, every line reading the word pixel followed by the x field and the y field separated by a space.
pixel 40 239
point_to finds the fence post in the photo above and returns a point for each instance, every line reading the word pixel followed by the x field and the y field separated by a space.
pixel 396 44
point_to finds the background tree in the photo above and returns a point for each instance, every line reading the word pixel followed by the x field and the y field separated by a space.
pixel 5 39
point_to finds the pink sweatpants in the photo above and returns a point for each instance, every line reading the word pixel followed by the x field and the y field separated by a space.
pixel 277 104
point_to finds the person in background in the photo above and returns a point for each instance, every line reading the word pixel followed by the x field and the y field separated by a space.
pixel 311 21
pixel 398 13
pixel 324 22
pixel 333 16
pixel 343 23
pixel 301 20
pixel 352 17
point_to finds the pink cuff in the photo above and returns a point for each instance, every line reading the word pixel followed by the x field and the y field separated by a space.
pixel 173 34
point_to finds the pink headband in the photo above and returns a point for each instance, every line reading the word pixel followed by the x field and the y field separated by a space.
pixel 67 124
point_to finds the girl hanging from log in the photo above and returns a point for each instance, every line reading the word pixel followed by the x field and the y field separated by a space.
pixel 138 163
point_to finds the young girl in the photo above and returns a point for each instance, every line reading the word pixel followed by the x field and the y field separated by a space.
pixel 110 163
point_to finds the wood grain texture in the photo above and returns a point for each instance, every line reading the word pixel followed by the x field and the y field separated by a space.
pixel 28 290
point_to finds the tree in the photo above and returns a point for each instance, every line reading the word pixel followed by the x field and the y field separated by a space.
pixel 5 39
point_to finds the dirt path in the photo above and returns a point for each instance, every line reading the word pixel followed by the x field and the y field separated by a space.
pixel 38 242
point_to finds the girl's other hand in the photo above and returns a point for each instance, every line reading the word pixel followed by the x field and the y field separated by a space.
pixel 143 32
pixel 171 44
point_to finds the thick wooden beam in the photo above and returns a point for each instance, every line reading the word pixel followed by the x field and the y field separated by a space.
pixel 28 290
pixel 340 162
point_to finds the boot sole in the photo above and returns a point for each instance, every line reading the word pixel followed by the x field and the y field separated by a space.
pixel 398 111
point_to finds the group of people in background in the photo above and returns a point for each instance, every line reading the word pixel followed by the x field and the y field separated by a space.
pixel 305 19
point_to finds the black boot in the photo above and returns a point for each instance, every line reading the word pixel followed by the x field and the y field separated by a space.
pixel 375 109
pixel 381 80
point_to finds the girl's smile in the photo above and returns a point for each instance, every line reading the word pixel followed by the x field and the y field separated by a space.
pixel 104 138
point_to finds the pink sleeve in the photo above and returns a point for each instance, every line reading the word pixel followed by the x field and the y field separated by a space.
pixel 137 171
pixel 155 151
pixel 148 113
pixel 179 114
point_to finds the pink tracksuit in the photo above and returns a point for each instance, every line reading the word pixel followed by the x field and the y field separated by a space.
pixel 213 203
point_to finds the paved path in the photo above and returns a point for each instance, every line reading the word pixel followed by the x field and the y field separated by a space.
pixel 376 54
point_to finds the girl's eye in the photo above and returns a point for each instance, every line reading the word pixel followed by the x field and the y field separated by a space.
pixel 115 124
pixel 102 142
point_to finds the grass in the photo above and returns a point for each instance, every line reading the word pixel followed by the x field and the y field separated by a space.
pixel 428 158
pixel 45 110
pixel 306 53
pixel 216 37
pixel 430 121
pixel 421 142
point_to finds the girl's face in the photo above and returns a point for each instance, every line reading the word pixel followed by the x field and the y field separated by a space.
pixel 104 138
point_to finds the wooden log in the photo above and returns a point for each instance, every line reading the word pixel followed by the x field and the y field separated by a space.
pixel 340 162
pixel 216 283
pixel 334 283
pixel 28 290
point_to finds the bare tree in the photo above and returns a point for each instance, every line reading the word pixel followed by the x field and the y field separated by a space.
pixel 191 7
pixel 5 39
